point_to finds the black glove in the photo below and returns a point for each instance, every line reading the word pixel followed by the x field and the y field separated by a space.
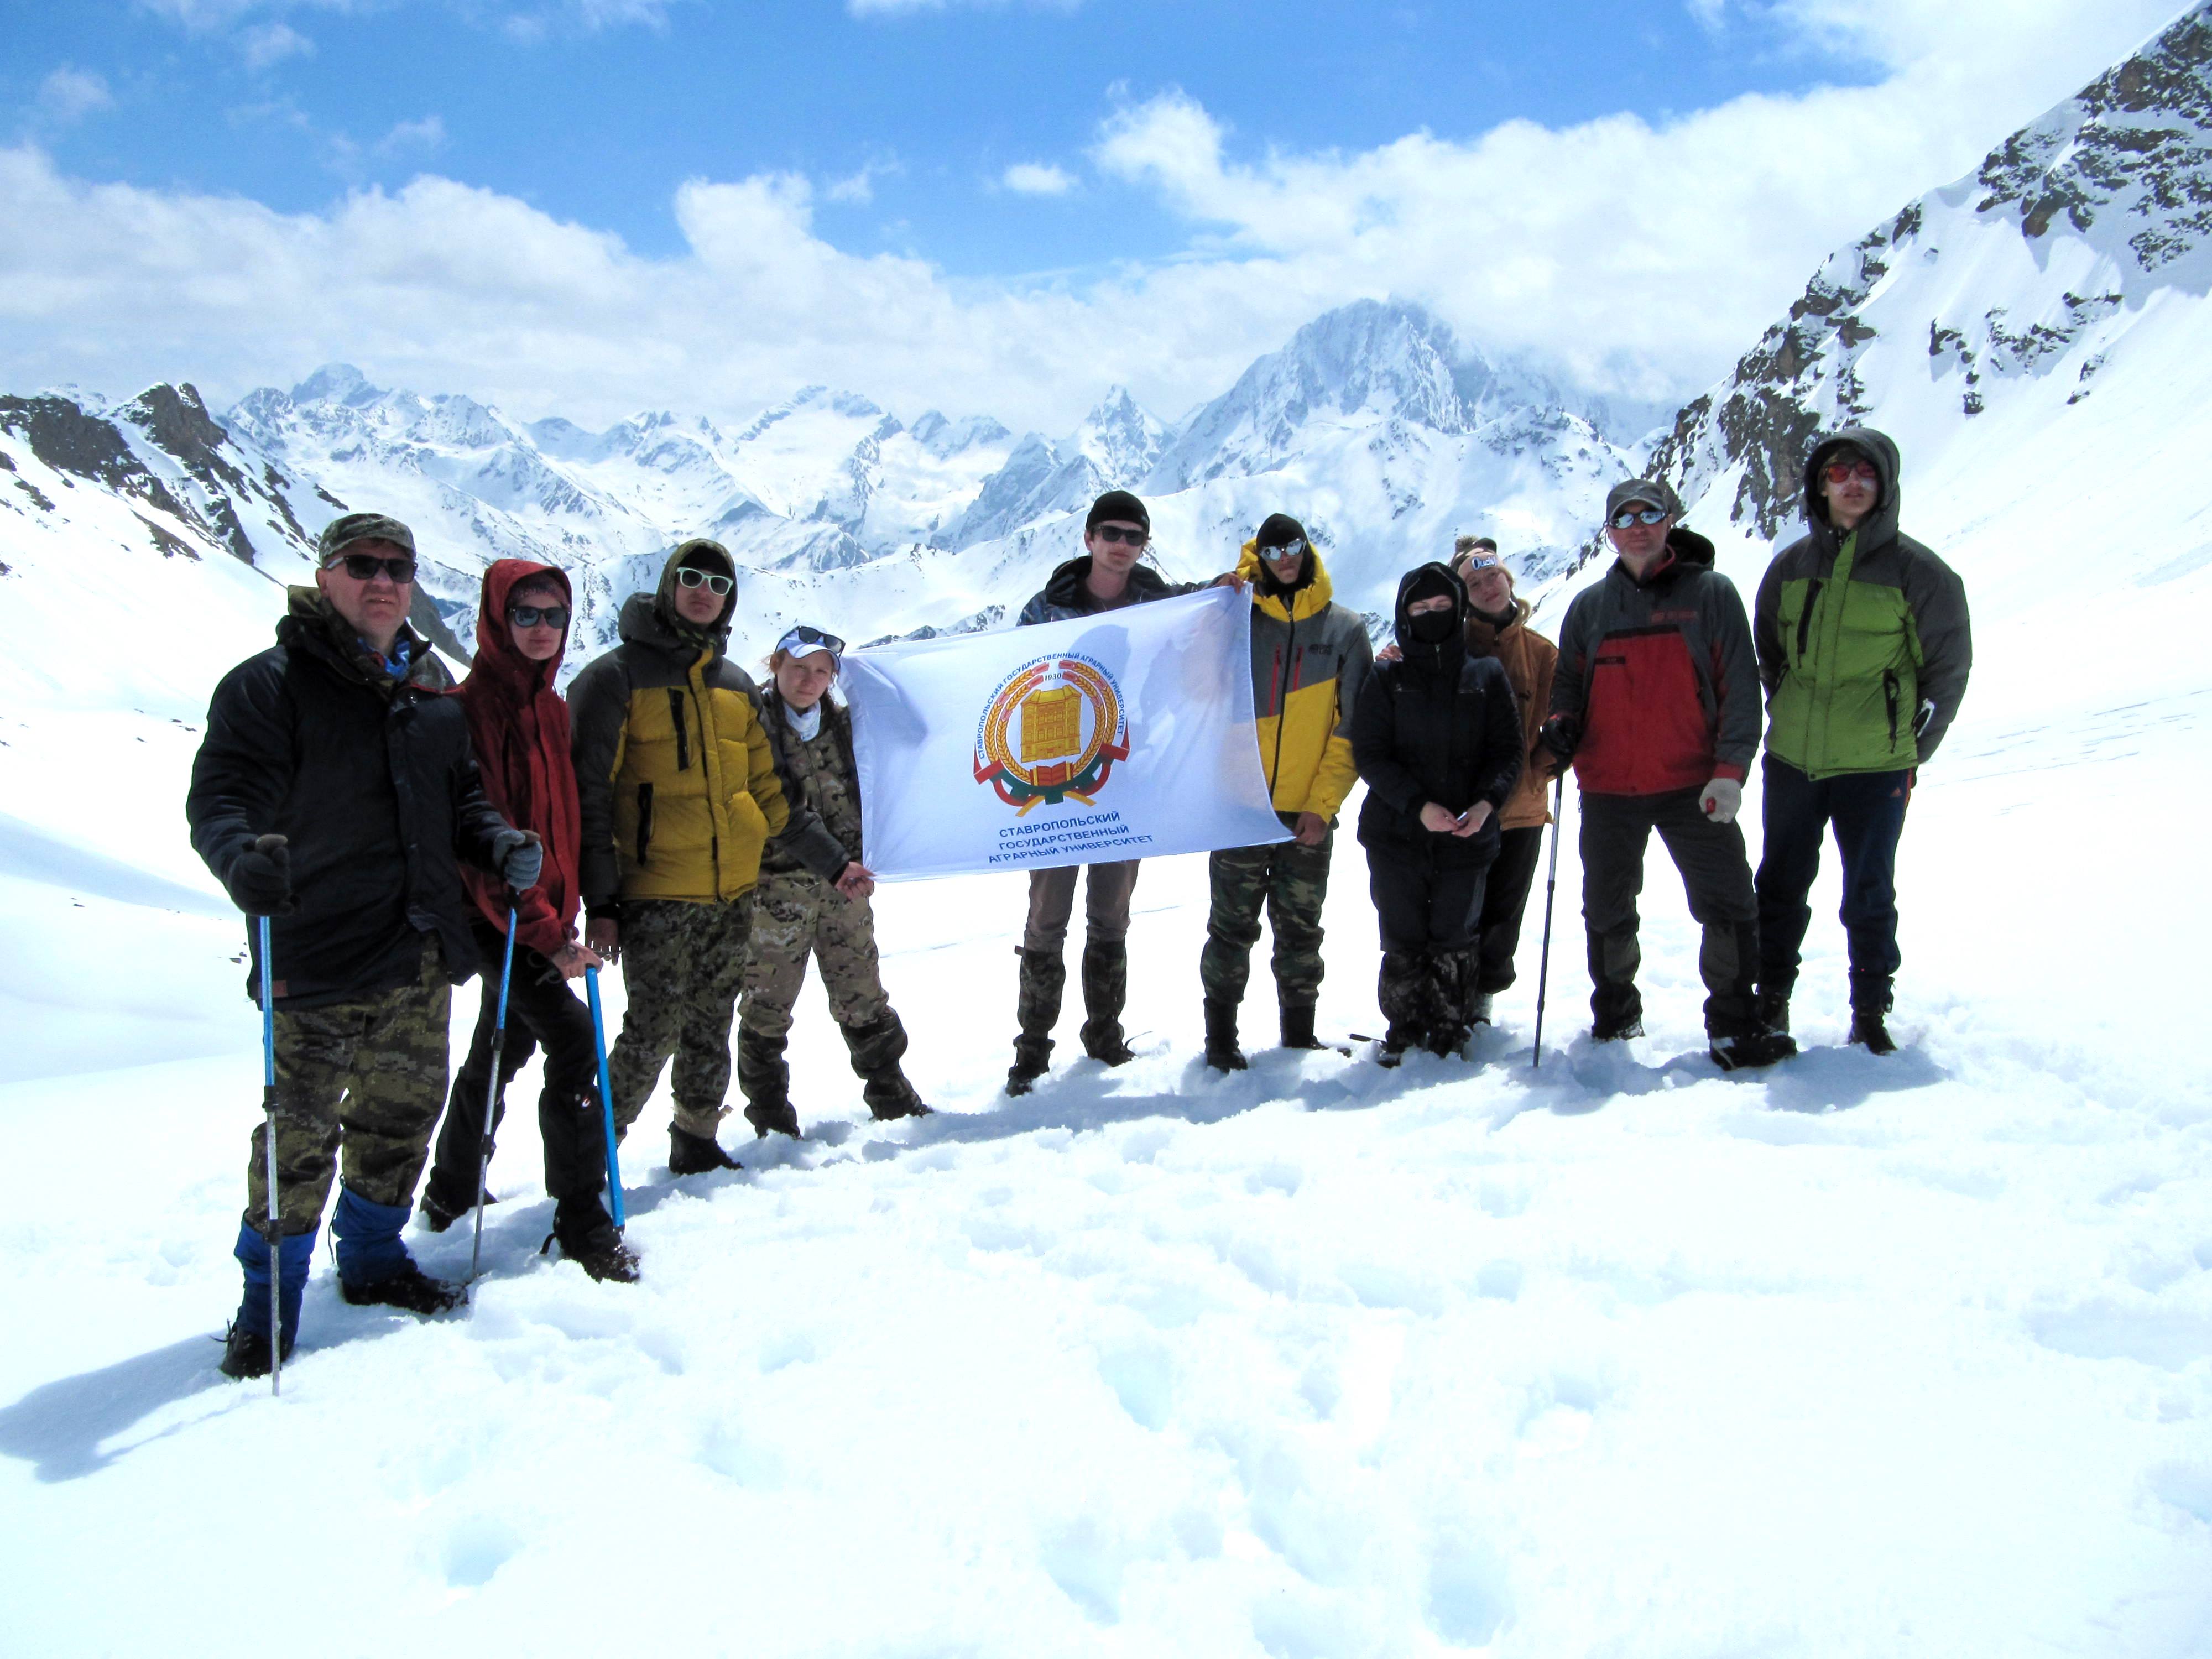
pixel 1560 734
pixel 521 858
pixel 261 879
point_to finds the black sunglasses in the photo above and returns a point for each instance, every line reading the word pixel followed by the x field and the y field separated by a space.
pixel 367 567
pixel 1629 516
pixel 716 585
pixel 1289 549
pixel 1115 533
pixel 530 616
pixel 806 633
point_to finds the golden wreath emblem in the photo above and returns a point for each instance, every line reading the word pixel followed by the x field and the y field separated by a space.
pixel 1052 732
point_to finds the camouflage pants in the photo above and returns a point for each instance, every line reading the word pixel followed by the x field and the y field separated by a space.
pixel 361 1080
pixel 1288 881
pixel 796 916
pixel 681 964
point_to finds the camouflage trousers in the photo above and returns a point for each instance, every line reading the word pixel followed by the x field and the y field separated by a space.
pixel 682 964
pixel 360 1081
pixel 796 916
pixel 1289 882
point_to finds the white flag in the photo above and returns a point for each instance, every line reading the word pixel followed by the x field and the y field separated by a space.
pixel 1125 735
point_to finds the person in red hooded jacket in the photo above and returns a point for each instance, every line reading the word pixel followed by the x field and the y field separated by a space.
pixel 518 726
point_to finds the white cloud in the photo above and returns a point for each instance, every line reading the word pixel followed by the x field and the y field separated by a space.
pixel 266 44
pixel 1642 256
pixel 68 95
pixel 1038 178
pixel 858 189
pixel 413 137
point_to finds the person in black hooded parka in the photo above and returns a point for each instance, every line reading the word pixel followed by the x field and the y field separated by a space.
pixel 1438 740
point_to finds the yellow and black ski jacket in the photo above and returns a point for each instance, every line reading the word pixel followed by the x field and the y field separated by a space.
pixel 1309 658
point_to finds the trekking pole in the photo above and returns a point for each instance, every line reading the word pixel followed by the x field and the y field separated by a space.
pixel 606 1100
pixel 269 1118
pixel 491 1092
pixel 1550 887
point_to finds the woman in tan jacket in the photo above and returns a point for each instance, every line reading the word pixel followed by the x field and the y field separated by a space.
pixel 1497 626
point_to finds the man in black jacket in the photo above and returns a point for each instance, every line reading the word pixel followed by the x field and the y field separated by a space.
pixel 333 793
pixel 1437 738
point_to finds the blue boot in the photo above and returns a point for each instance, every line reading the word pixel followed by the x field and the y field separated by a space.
pixel 246 1351
pixel 373 1266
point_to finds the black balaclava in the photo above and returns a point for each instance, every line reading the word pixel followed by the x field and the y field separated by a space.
pixel 1436 640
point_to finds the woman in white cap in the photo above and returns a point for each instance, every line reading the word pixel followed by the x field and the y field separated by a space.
pixel 796 914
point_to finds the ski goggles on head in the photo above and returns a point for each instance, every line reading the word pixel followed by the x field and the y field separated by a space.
pixel 1845 471
pixel 367 567
pixel 1128 534
pixel 1632 515
pixel 533 616
pixel 1289 549
pixel 804 641
pixel 691 577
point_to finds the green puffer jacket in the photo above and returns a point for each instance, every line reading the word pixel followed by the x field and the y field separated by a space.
pixel 1863 638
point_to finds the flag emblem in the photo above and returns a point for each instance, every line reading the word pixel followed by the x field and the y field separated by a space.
pixel 1051 732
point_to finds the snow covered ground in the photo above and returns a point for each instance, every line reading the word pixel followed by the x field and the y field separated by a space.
pixel 1621 1357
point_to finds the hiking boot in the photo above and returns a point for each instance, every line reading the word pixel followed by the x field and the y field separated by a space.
pixel 690 1154
pixel 1752 1049
pixel 893 1100
pixel 1106 1044
pixel 1222 1053
pixel 767 1117
pixel 1771 1009
pixel 1869 1033
pixel 1447 1039
pixel 410 1289
pixel 1032 1059
pixel 1617 1028
pixel 1298 1028
pixel 588 1236
pixel 438 1215
pixel 246 1354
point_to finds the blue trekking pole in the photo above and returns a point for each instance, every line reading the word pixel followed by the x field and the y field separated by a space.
pixel 606 1099
pixel 492 1091
pixel 269 1110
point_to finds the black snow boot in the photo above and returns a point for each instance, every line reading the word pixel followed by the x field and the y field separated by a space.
pixel 766 1081
pixel 410 1289
pixel 1222 1053
pixel 1298 1027
pixel 1871 1001
pixel 1036 1009
pixel 1105 989
pixel 246 1354
pixel 588 1237
pixel 690 1154
pixel 876 1048
pixel 1770 1008
pixel 1617 1027
pixel 1032 1059
pixel 1752 1049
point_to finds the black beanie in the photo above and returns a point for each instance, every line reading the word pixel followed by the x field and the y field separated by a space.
pixel 1117 506
pixel 1279 531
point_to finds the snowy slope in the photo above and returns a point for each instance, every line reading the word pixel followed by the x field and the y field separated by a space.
pixel 1616 1357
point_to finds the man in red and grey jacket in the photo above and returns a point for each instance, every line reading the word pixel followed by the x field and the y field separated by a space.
pixel 1656 703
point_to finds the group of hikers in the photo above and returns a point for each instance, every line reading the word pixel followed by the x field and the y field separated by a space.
pixel 398 833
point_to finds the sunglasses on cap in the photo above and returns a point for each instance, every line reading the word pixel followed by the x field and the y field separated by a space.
pixel 367 567
pixel 1845 471
pixel 1125 533
pixel 714 584
pixel 1629 516
pixel 534 616
pixel 803 639
pixel 1289 549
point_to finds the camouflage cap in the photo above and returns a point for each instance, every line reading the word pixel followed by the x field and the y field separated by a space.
pixel 341 532
pixel 1643 492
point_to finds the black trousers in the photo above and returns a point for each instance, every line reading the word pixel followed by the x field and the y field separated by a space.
pixel 1504 897
pixel 542 1011
pixel 1423 904
pixel 1868 812
pixel 1717 878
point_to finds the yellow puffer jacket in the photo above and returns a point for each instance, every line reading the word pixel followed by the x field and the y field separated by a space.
pixel 1309 658
pixel 677 772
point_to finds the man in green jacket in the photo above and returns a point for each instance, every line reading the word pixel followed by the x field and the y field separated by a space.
pixel 1864 648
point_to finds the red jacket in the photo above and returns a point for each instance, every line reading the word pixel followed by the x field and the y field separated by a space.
pixel 519 728
pixel 1662 675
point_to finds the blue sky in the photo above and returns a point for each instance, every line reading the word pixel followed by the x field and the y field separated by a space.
pixel 529 198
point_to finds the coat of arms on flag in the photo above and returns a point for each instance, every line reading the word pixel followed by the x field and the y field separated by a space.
pixel 1051 732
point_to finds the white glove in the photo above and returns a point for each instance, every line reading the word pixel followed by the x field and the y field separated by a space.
pixel 1721 800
